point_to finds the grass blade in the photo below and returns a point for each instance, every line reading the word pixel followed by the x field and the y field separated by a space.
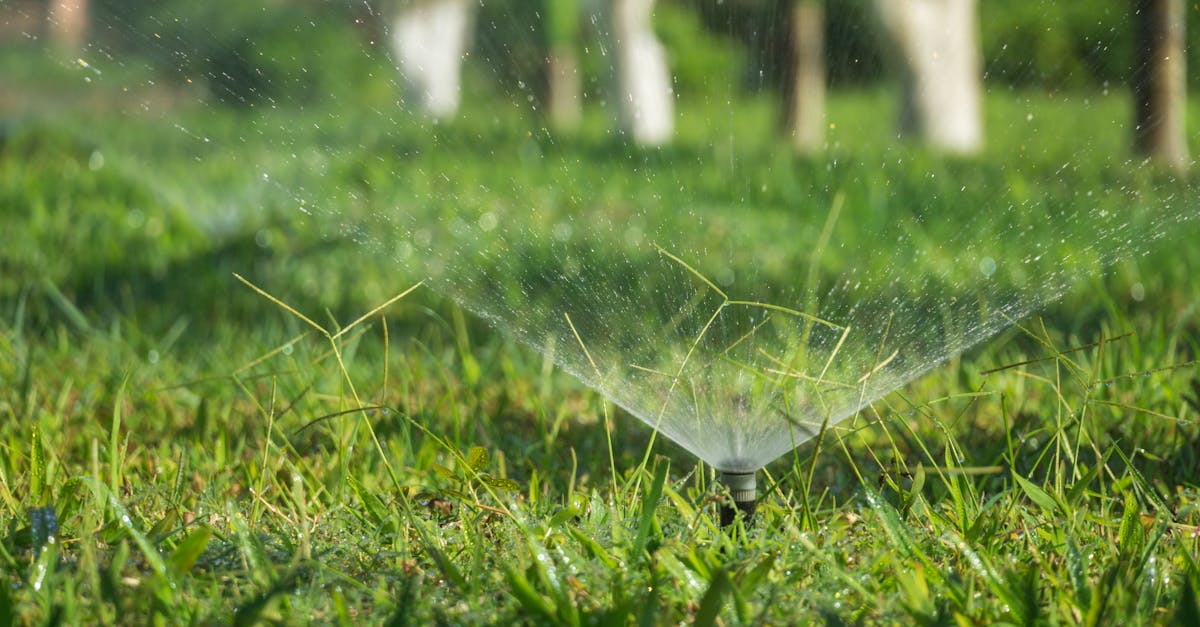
pixel 115 457
pixel 650 504
pixel 106 496
pixel 1131 535
pixel 1042 498
pixel 1187 610
pixel 477 458
pixel 529 598
pixel 7 616
pixel 189 550
pixel 37 462
pixel 713 599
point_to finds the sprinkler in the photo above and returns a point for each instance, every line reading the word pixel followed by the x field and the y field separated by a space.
pixel 744 489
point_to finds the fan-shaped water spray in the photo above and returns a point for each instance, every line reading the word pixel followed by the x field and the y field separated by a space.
pixel 732 295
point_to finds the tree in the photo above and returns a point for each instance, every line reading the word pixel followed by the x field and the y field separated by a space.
pixel 643 82
pixel 804 84
pixel 67 21
pixel 429 38
pixel 1160 81
pixel 563 84
pixel 937 42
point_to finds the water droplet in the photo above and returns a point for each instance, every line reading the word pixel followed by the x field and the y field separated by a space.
pixel 39 575
pixel 488 221
pixel 987 266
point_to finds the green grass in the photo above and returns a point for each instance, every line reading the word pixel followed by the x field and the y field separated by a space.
pixel 209 455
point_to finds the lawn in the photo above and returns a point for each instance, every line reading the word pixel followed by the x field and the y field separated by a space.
pixel 219 400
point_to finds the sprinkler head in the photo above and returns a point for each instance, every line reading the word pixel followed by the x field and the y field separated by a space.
pixel 744 488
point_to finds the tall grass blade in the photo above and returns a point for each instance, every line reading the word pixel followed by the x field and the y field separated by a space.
pixel 713 599
pixel 529 598
pixel 37 463
pixel 650 504
pixel 1187 610
pixel 115 453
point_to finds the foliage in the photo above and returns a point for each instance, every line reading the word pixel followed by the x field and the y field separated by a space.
pixel 245 54
pixel 1074 44
pixel 1058 44
pixel 699 58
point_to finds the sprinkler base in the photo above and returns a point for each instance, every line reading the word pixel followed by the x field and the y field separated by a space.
pixel 743 487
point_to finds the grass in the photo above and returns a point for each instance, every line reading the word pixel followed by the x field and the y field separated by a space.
pixel 181 447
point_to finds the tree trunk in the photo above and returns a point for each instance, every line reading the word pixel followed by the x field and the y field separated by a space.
pixel 429 39
pixel 563 84
pixel 563 88
pixel 643 82
pixel 937 42
pixel 1160 81
pixel 804 87
pixel 68 24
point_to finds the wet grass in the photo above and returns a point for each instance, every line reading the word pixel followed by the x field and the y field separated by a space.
pixel 180 446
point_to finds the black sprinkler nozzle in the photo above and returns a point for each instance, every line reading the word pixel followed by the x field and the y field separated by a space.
pixel 743 487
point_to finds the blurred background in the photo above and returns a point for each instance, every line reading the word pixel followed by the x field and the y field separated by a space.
pixel 564 52
pixel 924 160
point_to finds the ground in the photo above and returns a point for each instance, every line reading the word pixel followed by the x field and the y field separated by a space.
pixel 207 419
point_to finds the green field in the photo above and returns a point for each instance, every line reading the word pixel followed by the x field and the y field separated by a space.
pixel 210 453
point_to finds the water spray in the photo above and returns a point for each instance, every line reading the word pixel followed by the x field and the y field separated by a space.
pixel 743 487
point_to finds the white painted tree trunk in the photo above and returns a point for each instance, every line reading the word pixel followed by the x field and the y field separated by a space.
pixel 68 24
pixel 564 85
pixel 1160 82
pixel 937 42
pixel 429 39
pixel 804 88
pixel 563 88
pixel 645 107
